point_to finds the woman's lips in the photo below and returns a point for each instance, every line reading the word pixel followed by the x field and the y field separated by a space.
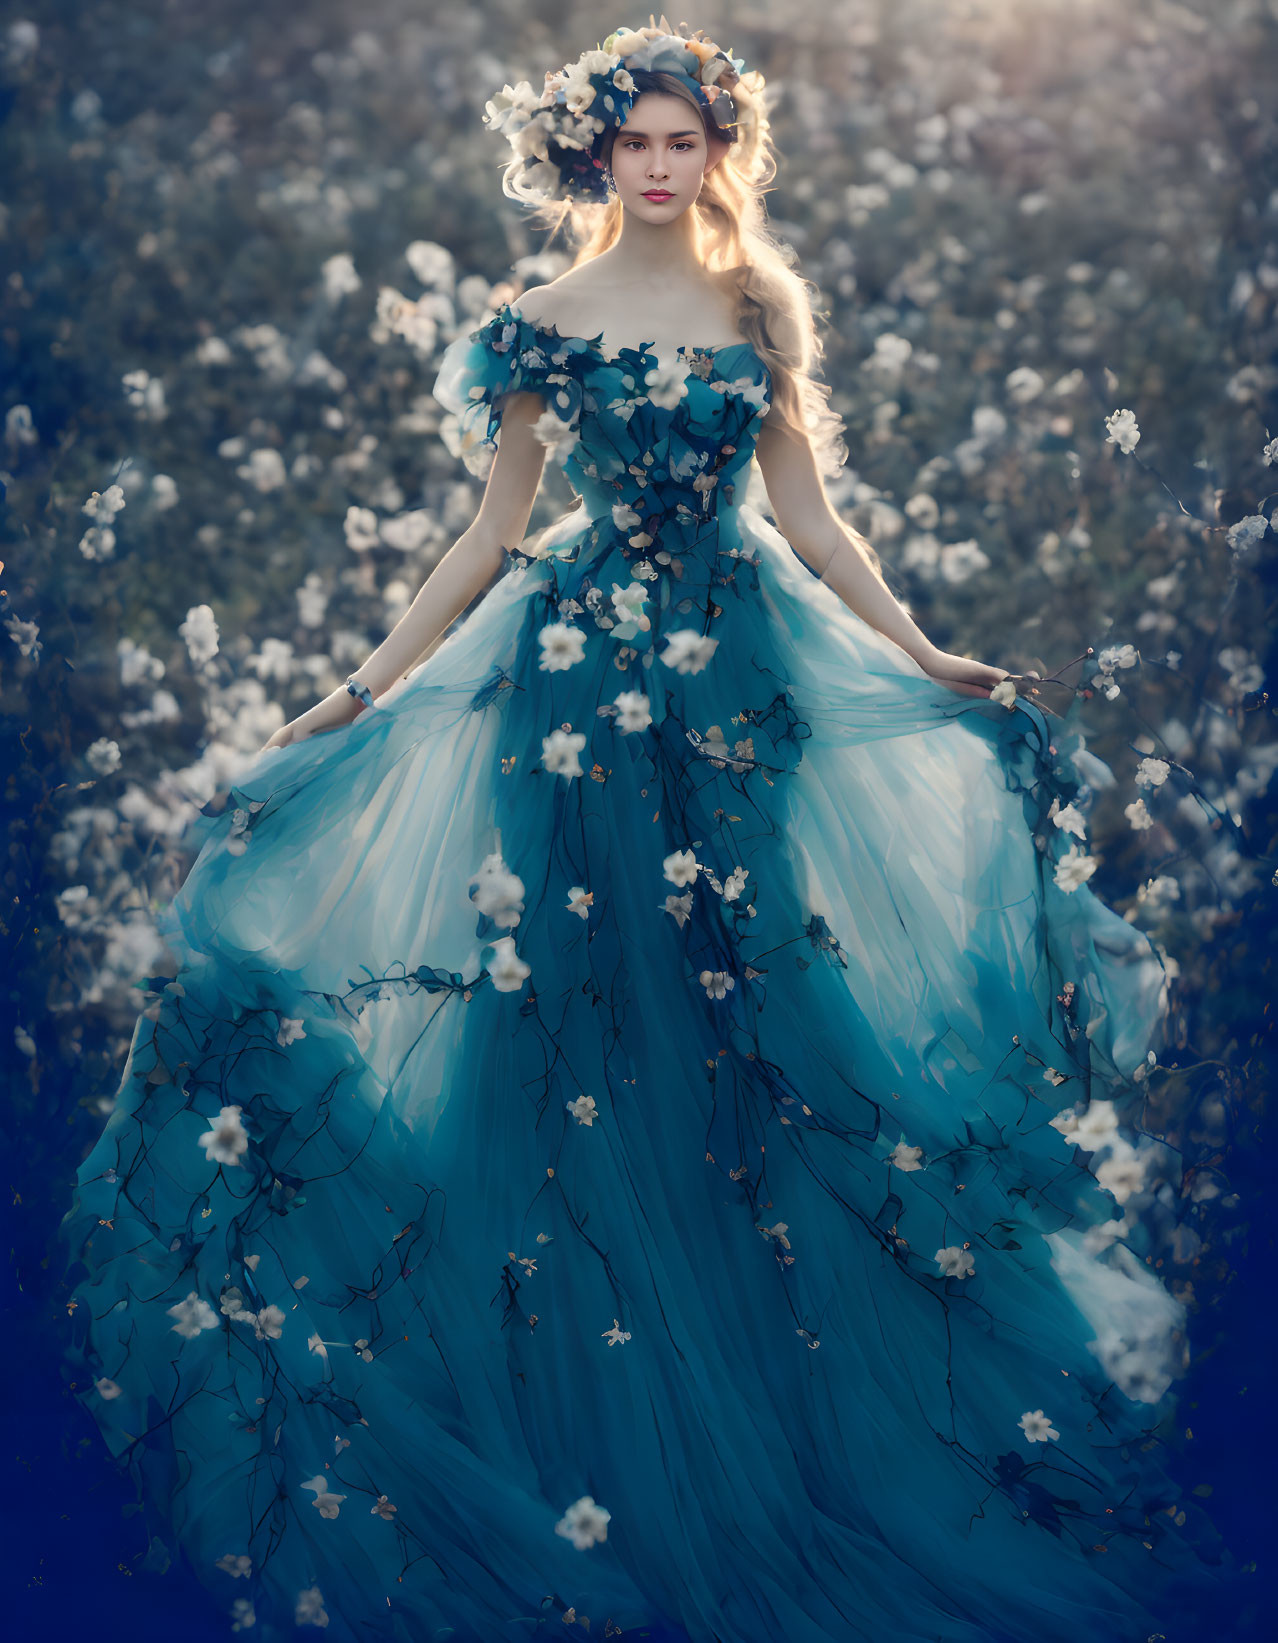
pixel 658 194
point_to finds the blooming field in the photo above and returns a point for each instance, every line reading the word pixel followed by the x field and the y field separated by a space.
pixel 237 239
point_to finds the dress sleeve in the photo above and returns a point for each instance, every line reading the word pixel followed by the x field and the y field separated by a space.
pixel 506 355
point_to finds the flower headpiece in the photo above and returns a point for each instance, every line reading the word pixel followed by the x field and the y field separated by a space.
pixel 557 134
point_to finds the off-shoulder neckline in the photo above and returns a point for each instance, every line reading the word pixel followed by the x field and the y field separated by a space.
pixel 644 350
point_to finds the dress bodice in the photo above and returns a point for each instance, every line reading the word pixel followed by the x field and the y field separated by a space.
pixel 636 434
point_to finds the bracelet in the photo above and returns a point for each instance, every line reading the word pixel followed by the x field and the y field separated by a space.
pixel 361 691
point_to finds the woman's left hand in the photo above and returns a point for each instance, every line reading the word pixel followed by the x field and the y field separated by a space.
pixel 962 674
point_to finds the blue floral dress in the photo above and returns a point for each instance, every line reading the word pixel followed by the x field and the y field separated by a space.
pixel 592 1170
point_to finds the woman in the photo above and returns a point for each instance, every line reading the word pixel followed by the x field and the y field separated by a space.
pixel 599 1166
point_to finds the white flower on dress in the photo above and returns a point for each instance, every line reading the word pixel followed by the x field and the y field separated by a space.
pixel 310 1610
pixel 688 651
pixel 1069 817
pixel 1152 772
pixel 734 884
pixel 624 516
pixel 627 604
pixel 905 1158
pixel 383 1509
pixel 1074 868
pixel 226 1140
pixel 193 1315
pixel 559 752
pixel 579 900
pixel 497 892
pixel 681 867
pixel 955 1262
pixel 665 385
pixel 562 645
pixel 236 1565
pixel 327 1503
pixel 1123 1172
pixel 584 1523
pixel 643 570
pixel 506 968
pixel 678 907
pixel 291 1029
pixel 106 1388
pixel 778 1233
pixel 1123 430
pixel 314 1344
pixel 1036 1426
pixel 717 983
pixel 583 1110
pixel 243 1615
pixel 615 1336
pixel 632 711
pixel 269 1324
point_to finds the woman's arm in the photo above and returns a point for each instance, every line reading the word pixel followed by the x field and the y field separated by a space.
pixel 468 567
pixel 837 554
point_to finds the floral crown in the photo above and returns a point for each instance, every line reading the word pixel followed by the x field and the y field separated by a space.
pixel 557 134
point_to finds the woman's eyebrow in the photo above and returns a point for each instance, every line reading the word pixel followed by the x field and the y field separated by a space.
pixel 627 132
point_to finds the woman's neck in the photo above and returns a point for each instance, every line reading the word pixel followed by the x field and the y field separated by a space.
pixel 657 251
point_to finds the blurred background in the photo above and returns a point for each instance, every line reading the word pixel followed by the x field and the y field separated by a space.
pixel 234 241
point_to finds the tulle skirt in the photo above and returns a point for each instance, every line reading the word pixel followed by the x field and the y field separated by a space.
pixel 624 1202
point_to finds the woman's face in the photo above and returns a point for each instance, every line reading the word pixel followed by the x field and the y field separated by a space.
pixel 660 156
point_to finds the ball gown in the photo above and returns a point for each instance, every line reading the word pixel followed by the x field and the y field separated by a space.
pixel 591 1172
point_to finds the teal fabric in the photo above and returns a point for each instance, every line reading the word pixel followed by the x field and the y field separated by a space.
pixel 599 1083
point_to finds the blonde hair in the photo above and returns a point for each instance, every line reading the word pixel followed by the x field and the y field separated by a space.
pixel 774 302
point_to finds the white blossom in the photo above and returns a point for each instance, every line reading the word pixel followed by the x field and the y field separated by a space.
pixel 432 264
pixel 904 1157
pixel 1123 431
pixel 237 1565
pixel 291 1028
pixel 383 1509
pixel 688 651
pixel 559 437
pixel 583 1110
pixel 1114 656
pixel 106 1388
pixel 1068 817
pixel 632 711
pixel 310 1610
pixel 264 470
pixel 103 506
pixel 615 1336
pixel 1037 1427
pixel 201 634
pixel 506 968
pixel 665 385
pixel 624 516
pixel 1138 815
pixel 679 907
pixel 734 884
pixel 717 983
pixel 243 1615
pixel 193 1315
pixel 1152 772
pixel 579 900
pixel 1074 869
pixel 340 277
pixel 497 892
pixel 559 752
pixel 1004 693
pixel 360 527
pixel 327 1504
pixel 584 1523
pixel 955 1261
pixel 627 604
pixel 681 867
pixel 103 755
pixel 562 645
pixel 227 1140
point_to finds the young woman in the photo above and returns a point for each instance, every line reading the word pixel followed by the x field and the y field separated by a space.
pixel 599 1167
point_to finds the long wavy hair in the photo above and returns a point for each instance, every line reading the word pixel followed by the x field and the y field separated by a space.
pixel 775 303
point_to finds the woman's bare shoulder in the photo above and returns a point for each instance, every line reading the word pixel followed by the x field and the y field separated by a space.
pixel 557 302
